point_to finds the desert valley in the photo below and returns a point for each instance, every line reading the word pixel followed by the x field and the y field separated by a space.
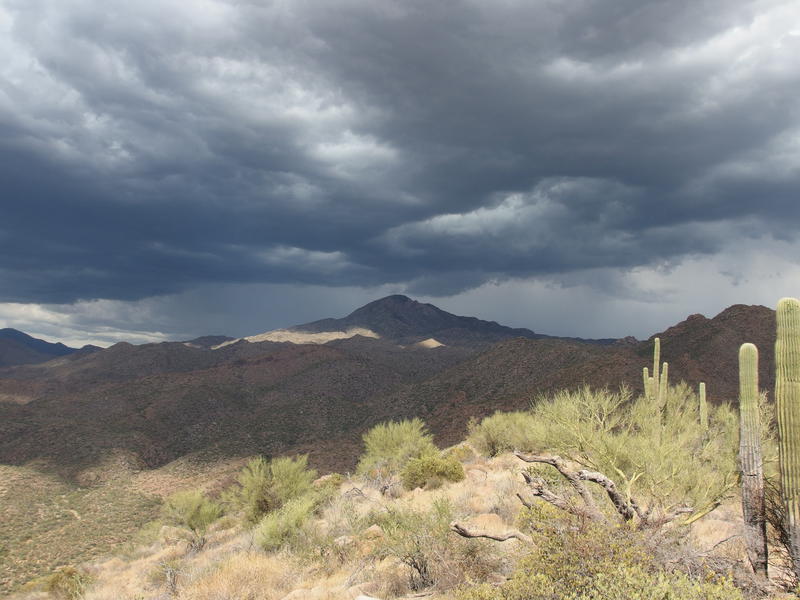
pixel 399 300
pixel 93 441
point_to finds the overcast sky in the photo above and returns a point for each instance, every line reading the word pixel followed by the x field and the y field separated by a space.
pixel 172 168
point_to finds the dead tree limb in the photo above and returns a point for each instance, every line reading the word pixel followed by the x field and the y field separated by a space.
pixel 570 475
pixel 672 515
pixel 537 487
pixel 626 509
pixel 464 531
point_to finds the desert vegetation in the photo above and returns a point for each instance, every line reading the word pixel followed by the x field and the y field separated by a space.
pixel 591 493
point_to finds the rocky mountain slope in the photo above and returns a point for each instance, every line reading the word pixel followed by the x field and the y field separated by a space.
pixel 18 348
pixel 401 320
pixel 102 428
pixel 162 401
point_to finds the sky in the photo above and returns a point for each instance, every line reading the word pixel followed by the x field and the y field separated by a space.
pixel 175 168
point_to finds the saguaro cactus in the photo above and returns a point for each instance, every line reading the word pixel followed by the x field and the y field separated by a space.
pixel 646 380
pixel 656 363
pixel 787 399
pixel 701 392
pixel 750 461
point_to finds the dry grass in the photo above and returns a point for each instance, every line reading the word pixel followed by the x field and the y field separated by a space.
pixel 342 559
pixel 188 472
pixel 244 576
pixel 46 522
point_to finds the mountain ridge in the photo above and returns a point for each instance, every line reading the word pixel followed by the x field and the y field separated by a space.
pixel 17 347
pixel 405 321
pixel 93 420
pixel 161 401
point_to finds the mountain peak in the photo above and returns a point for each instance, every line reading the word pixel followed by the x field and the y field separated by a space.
pixel 394 298
pixel 17 348
pixel 389 302
pixel 403 320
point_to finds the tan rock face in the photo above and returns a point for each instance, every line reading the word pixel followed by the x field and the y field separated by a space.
pixel 429 343
pixel 303 337
pixel 319 592
pixel 373 532
pixel 344 541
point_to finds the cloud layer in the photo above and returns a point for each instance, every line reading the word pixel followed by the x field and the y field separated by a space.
pixel 160 147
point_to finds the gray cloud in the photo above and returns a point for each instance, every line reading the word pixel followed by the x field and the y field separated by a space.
pixel 158 147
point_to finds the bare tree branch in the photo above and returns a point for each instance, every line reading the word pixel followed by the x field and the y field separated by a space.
pixel 538 489
pixel 525 503
pixel 624 508
pixel 671 516
pixel 570 475
pixel 463 531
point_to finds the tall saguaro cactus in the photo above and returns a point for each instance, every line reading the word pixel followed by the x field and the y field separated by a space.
pixel 656 363
pixel 750 461
pixel 787 399
pixel 703 406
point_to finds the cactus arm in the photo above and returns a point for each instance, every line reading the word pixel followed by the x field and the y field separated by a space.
pixel 703 407
pixel 646 379
pixel 656 364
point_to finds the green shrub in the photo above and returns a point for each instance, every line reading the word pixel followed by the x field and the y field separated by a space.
pixel 167 574
pixel 148 533
pixel 503 432
pixel 331 480
pixel 192 510
pixel 285 526
pixel 423 541
pixel 657 453
pixel 389 446
pixel 291 477
pixel 462 453
pixel 265 485
pixel 69 583
pixel 426 470
pixel 599 563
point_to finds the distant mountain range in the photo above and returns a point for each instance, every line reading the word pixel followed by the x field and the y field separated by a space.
pixel 401 320
pixel 18 348
pixel 159 402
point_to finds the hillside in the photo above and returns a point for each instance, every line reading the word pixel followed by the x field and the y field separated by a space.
pixel 385 535
pixel 404 321
pixel 161 401
pixel 401 320
pixel 18 348
pixel 160 404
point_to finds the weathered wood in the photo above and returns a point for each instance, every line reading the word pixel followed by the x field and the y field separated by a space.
pixel 465 532
pixel 627 508
pixel 571 476
pixel 624 508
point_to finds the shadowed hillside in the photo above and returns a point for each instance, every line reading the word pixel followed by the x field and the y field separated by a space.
pixel 161 401
pixel 401 320
pixel 109 424
pixel 18 348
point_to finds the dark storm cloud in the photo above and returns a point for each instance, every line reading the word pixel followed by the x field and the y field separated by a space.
pixel 151 148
